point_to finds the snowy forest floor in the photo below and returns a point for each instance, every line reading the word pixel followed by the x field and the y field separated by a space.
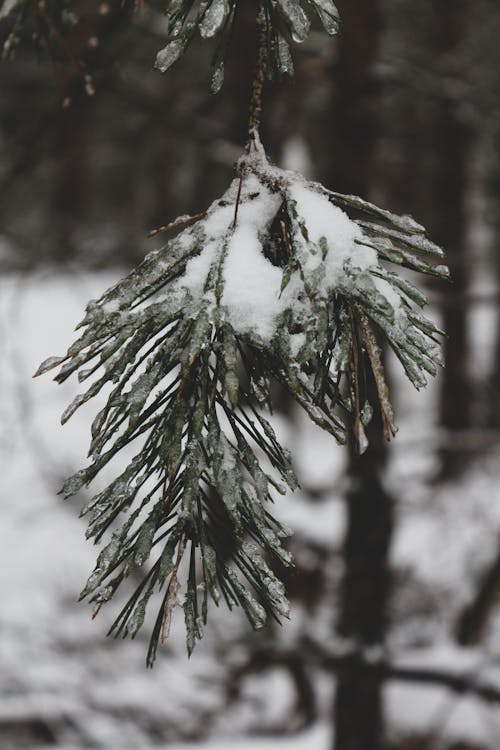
pixel 63 684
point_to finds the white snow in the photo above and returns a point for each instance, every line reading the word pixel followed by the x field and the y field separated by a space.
pixel 420 706
pixel 198 268
pixel 323 219
pixel 252 297
pixel 252 284
pixel 58 666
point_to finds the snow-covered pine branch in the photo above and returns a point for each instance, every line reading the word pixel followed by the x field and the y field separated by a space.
pixel 280 281
pixel 215 18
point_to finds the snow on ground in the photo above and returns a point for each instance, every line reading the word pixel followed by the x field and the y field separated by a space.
pixel 317 737
pixel 63 683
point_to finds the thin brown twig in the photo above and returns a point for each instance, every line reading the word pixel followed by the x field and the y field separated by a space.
pixel 171 599
pixel 357 427
pixel 179 222
pixel 238 198
pixel 259 78
pixel 168 492
pixel 97 610
pixel 377 367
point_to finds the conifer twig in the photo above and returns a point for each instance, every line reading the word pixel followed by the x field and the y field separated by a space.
pixel 357 426
pixel 171 597
pixel 181 221
pixel 238 198
pixel 259 78
pixel 373 351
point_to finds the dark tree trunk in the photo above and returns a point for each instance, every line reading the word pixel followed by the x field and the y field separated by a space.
pixel 452 148
pixel 358 717
pixel 450 228
pixel 476 616
pixel 370 520
pixel 353 120
pixel 493 395
pixel 358 713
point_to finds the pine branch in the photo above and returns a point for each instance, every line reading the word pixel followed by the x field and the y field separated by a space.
pixel 280 22
pixel 273 283
pixel 284 21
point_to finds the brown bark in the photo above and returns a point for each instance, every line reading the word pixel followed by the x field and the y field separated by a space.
pixel 452 148
pixel 456 390
pixel 493 393
pixel 358 716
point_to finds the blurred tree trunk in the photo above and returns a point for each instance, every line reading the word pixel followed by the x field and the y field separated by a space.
pixel 450 227
pixel 476 616
pixel 70 177
pixel 358 711
pixel 493 405
pixel 353 118
pixel 358 716
pixel 452 149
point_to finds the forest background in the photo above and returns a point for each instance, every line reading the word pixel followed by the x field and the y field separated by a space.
pixel 394 637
